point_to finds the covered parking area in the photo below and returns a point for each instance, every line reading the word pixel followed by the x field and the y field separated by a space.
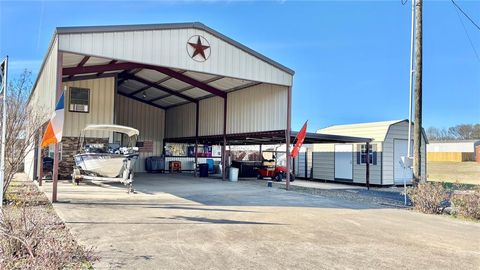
pixel 182 82
pixel 272 138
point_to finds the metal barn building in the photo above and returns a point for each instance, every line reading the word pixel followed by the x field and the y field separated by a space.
pixel 347 162
pixel 182 82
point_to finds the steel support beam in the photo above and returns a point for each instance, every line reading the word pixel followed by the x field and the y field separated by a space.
pixel 188 87
pixel 111 62
pixel 197 117
pixel 146 87
pixel 367 166
pixel 159 87
pixel 100 68
pixel 184 78
pixel 288 135
pixel 40 158
pixel 56 157
pixel 224 146
pixel 82 62
pixel 87 77
pixel 142 100
pixel 123 66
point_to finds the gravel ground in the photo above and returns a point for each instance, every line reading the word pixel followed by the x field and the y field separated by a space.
pixel 390 197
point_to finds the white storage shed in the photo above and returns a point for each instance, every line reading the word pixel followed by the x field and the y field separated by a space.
pixel 347 162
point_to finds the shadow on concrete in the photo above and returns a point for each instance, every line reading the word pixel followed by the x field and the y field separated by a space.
pixel 215 192
pixel 202 209
pixel 219 221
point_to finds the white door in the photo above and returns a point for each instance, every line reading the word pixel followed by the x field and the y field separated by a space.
pixel 399 171
pixel 344 161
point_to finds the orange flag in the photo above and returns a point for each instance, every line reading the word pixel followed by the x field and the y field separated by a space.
pixel 300 138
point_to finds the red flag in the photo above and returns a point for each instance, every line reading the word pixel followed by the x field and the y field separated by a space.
pixel 300 138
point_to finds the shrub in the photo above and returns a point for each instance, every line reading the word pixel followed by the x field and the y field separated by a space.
pixel 467 204
pixel 32 236
pixel 429 197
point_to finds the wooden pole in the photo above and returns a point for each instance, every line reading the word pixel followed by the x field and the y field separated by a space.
pixel 417 129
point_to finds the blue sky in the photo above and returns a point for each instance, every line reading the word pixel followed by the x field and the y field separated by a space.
pixel 351 58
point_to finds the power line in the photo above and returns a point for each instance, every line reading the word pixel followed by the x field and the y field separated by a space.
pixel 465 14
pixel 468 36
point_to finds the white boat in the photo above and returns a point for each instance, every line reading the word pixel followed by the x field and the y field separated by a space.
pixel 107 162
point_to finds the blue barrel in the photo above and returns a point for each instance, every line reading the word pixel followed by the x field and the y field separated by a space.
pixel 203 168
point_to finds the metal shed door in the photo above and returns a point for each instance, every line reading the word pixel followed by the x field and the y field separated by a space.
pixel 344 161
pixel 400 173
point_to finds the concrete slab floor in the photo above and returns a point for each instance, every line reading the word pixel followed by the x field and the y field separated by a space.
pixel 180 222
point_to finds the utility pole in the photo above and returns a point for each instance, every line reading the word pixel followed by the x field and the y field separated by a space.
pixel 417 130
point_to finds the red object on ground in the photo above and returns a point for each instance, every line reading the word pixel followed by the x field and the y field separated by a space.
pixel 300 138
pixel 477 153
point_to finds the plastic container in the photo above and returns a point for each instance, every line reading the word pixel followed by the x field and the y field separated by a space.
pixel 233 175
pixel 203 168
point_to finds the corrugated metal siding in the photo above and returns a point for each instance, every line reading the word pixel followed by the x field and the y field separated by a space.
pixel 253 109
pixel 149 120
pixel 375 130
pixel 300 165
pixel 324 162
pixel 397 131
pixel 258 108
pixel 44 94
pixel 29 163
pixel 211 116
pixel 43 97
pixel 180 121
pixel 101 109
pixel 168 48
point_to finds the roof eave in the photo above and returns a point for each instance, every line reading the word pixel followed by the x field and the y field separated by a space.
pixel 195 25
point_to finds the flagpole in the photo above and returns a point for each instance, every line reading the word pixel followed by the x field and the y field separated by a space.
pixel 4 129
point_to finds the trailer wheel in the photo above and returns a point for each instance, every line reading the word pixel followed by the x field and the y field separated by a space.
pixel 278 177
pixel 292 177
pixel 259 176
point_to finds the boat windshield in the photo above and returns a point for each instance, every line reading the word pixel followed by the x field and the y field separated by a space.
pixel 97 139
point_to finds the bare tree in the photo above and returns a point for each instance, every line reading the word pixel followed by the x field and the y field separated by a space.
pixel 23 125
pixel 458 132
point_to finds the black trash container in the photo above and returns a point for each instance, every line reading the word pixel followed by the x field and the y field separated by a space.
pixel 203 168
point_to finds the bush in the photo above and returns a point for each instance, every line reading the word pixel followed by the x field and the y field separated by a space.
pixel 429 197
pixel 32 236
pixel 467 204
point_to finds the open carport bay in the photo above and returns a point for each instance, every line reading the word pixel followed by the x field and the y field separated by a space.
pixel 180 222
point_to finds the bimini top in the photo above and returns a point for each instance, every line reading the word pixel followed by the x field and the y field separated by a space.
pixel 115 128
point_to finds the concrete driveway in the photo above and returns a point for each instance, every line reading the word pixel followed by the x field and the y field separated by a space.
pixel 181 222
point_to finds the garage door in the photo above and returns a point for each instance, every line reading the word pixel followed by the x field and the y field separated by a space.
pixel 344 161
pixel 400 173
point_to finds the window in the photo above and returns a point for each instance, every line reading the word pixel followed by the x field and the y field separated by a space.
pixel 79 100
pixel 363 154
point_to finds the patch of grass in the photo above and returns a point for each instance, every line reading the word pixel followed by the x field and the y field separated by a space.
pixel 454 172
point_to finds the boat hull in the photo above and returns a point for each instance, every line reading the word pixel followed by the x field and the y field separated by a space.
pixel 104 164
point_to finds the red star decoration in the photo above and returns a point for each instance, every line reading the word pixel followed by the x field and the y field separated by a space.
pixel 199 48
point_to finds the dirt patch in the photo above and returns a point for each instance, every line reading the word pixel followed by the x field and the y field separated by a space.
pixel 460 172
pixel 32 236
